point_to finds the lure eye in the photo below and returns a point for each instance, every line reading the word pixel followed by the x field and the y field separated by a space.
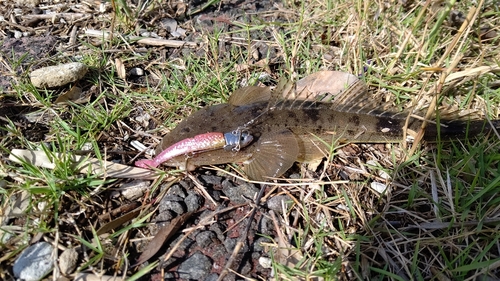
pixel 245 139
pixel 237 139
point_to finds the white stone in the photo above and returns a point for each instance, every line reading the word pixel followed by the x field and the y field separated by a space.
pixel 265 262
pixel 58 75
pixel 67 261
pixel 35 262
pixel 378 187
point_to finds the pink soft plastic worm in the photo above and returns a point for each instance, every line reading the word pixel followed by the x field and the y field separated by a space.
pixel 208 141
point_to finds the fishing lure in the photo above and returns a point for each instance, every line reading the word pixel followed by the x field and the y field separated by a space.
pixel 232 141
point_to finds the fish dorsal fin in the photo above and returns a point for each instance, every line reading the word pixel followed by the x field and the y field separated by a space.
pixel 275 153
pixel 343 91
pixel 249 94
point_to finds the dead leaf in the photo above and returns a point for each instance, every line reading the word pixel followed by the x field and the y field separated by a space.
pixel 324 82
pixel 82 164
pixel 120 69
pixel 120 220
pixel 285 254
pixel 162 236
pixel 72 95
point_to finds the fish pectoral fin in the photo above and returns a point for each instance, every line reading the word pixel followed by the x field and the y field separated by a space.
pixel 249 95
pixel 274 154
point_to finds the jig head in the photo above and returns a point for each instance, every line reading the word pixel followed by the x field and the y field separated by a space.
pixel 237 139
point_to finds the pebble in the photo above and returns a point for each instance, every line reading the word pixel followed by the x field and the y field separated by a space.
pixel 67 261
pixel 132 190
pixel 205 238
pixel 237 194
pixel 212 277
pixel 275 203
pixel 179 32
pixel 258 244
pixel 378 187
pixel 169 24
pixel 230 243
pixel 163 218
pixel 136 71
pixel 193 201
pixel 265 262
pixel 176 190
pixel 211 180
pixel 35 262
pixel 173 203
pixel 58 75
pixel 196 267
pixel 217 228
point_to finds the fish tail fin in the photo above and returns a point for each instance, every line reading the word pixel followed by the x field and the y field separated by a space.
pixel 460 129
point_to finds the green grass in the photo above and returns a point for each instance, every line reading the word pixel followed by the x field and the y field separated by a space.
pixel 438 218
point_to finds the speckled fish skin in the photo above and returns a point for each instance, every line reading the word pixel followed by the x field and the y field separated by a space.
pixel 309 122
pixel 289 130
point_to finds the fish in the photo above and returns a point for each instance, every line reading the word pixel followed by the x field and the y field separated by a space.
pixel 298 123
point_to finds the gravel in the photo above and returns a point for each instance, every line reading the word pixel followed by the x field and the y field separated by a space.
pixel 195 267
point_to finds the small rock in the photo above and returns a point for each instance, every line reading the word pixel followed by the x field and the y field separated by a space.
pixel 18 34
pixel 230 243
pixel 187 185
pixel 196 267
pixel 237 194
pixel 258 244
pixel 164 217
pixel 205 238
pixel 136 71
pixel 378 187
pixel 218 229
pixel 58 75
pixel 132 190
pixel 177 190
pixel 169 24
pixel 275 203
pixel 328 57
pixel 213 180
pixel 67 261
pixel 35 262
pixel 173 203
pixel 143 117
pixel 193 201
pixel 212 277
pixel 215 194
pixel 179 32
pixel 265 262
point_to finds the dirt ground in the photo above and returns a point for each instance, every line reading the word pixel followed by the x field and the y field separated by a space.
pixel 197 219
